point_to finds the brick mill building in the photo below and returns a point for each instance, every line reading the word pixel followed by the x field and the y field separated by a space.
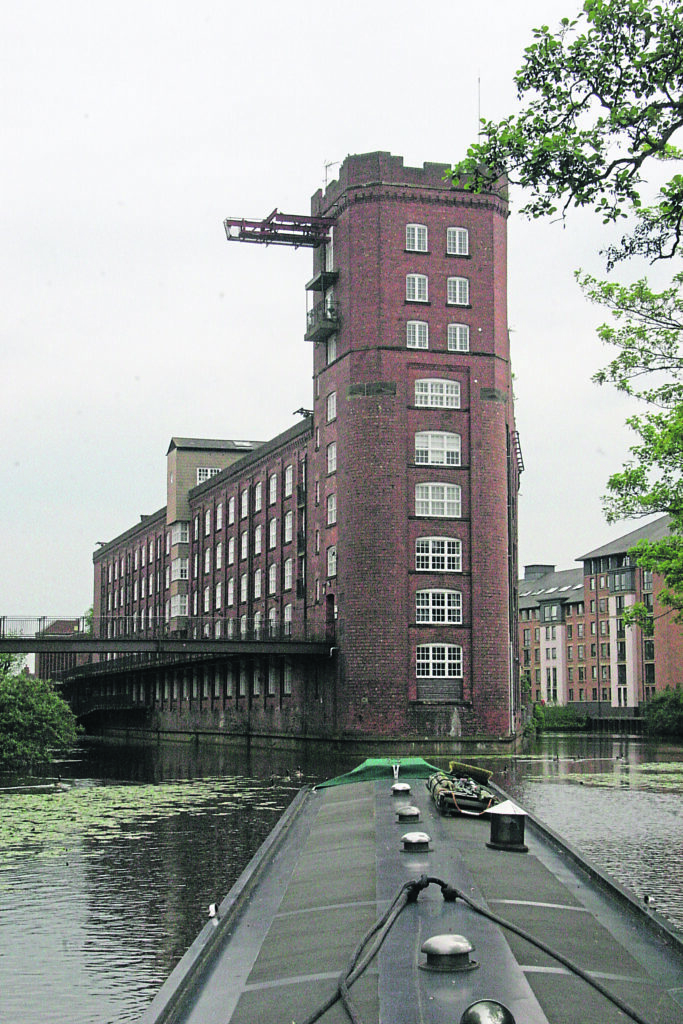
pixel 576 648
pixel 383 522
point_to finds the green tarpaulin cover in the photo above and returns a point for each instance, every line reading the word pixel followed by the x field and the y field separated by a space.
pixel 382 768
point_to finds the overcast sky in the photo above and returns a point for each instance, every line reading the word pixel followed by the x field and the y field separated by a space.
pixel 130 131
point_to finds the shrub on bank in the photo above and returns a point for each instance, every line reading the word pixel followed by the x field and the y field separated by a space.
pixel 557 717
pixel 664 713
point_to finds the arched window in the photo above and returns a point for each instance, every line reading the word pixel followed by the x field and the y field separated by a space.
pixel 433 393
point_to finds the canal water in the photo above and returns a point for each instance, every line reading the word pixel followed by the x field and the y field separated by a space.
pixel 108 862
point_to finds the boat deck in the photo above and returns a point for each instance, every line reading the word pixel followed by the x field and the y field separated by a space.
pixel 288 928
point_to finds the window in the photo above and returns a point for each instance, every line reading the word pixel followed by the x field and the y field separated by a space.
pixel 442 500
pixel 331 348
pixel 289 520
pixel 458 291
pixel 219 596
pixel 258 532
pixel 219 555
pixel 331 509
pixel 272 533
pixel 458 338
pixel 332 406
pixel 332 457
pixel 219 515
pixel 244 544
pixel 287 619
pixel 437 448
pixel 257 583
pixel 180 533
pixel 332 560
pixel 287 677
pixel 272 489
pixel 244 503
pixel 207 560
pixel 437 606
pixel 416 288
pixel 437 394
pixel 231 592
pixel 179 605
pixel 416 237
pixel 439 661
pixel 438 554
pixel 457 241
pixel 272 579
pixel 289 480
pixel 417 334
pixel 258 496
pixel 231 510
pixel 179 569
pixel 207 599
pixel 288 574
pixel 244 587
pixel 231 551
pixel 205 473
pixel 207 522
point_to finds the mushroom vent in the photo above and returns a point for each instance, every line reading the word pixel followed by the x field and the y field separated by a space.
pixel 400 789
pixel 415 842
pixel 487 1011
pixel 408 813
pixel 448 953
pixel 507 828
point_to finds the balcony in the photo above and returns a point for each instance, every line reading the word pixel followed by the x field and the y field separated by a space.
pixel 322 321
pixel 323 280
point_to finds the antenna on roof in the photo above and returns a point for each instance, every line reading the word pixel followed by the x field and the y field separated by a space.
pixel 327 165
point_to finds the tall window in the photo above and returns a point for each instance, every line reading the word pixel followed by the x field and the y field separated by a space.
pixel 288 574
pixel 417 334
pixel 231 551
pixel 272 579
pixel 244 544
pixel 457 241
pixel 332 406
pixel 331 509
pixel 438 606
pixel 207 522
pixel 332 457
pixel 458 291
pixel 231 592
pixel 244 587
pixel 458 338
pixel 331 349
pixel 244 503
pixel 416 237
pixel 287 619
pixel 289 521
pixel 272 489
pixel 289 480
pixel 417 288
pixel 257 540
pixel 332 560
pixel 272 533
pixel 258 496
pixel 257 583
pixel 437 394
pixel 438 500
pixel 219 515
pixel 219 595
pixel 439 661
pixel 438 554
pixel 437 448
pixel 207 560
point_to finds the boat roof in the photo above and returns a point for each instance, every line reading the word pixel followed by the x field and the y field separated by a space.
pixel 333 866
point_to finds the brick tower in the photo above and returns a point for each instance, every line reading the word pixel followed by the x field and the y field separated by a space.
pixel 413 474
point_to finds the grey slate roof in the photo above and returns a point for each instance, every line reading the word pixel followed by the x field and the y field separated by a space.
pixel 563 586
pixel 651 531
pixel 211 444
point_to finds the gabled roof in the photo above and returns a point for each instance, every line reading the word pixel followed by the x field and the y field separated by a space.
pixel 656 530
pixel 563 586
pixel 211 445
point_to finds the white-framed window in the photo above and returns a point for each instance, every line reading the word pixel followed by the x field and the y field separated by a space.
pixel 207 560
pixel 457 241
pixel 438 606
pixel 219 596
pixel 150 585
pixel 244 587
pixel 257 583
pixel 331 349
pixel 207 522
pixel 231 551
pixel 417 334
pixel 206 472
pixel 289 480
pixel 438 661
pixel 244 544
pixel 331 509
pixel 416 237
pixel 219 515
pixel 195 602
pixel 438 499
pixel 231 510
pixel 258 541
pixel 272 489
pixel 244 503
pixel 437 448
pixel 178 605
pixel 167 578
pixel 332 406
pixel 332 457
pixel 458 291
pixel 207 599
pixel 332 560
pixel 151 553
pixel 219 555
pixel 135 590
pixel 272 623
pixel 458 338
pixel 143 555
pixel 231 592
pixel 289 526
pixel 179 569
pixel 258 624
pixel 258 496
pixel 287 678
pixel 272 579
pixel 432 393
pixel 272 533
pixel 288 574
pixel 196 527
pixel 438 554
pixel 287 619
pixel 417 288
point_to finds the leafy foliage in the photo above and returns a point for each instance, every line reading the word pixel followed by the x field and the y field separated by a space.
pixel 602 96
pixel 562 718
pixel 664 713
pixel 34 721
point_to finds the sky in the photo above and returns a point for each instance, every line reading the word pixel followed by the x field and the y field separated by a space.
pixel 130 131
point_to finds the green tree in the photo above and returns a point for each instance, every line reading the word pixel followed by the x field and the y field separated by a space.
pixel 664 713
pixel 34 720
pixel 602 101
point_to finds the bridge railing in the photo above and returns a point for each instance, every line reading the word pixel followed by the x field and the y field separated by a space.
pixel 45 626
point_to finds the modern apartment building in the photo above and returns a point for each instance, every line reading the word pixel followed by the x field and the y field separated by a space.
pixel 575 647
pixel 384 521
